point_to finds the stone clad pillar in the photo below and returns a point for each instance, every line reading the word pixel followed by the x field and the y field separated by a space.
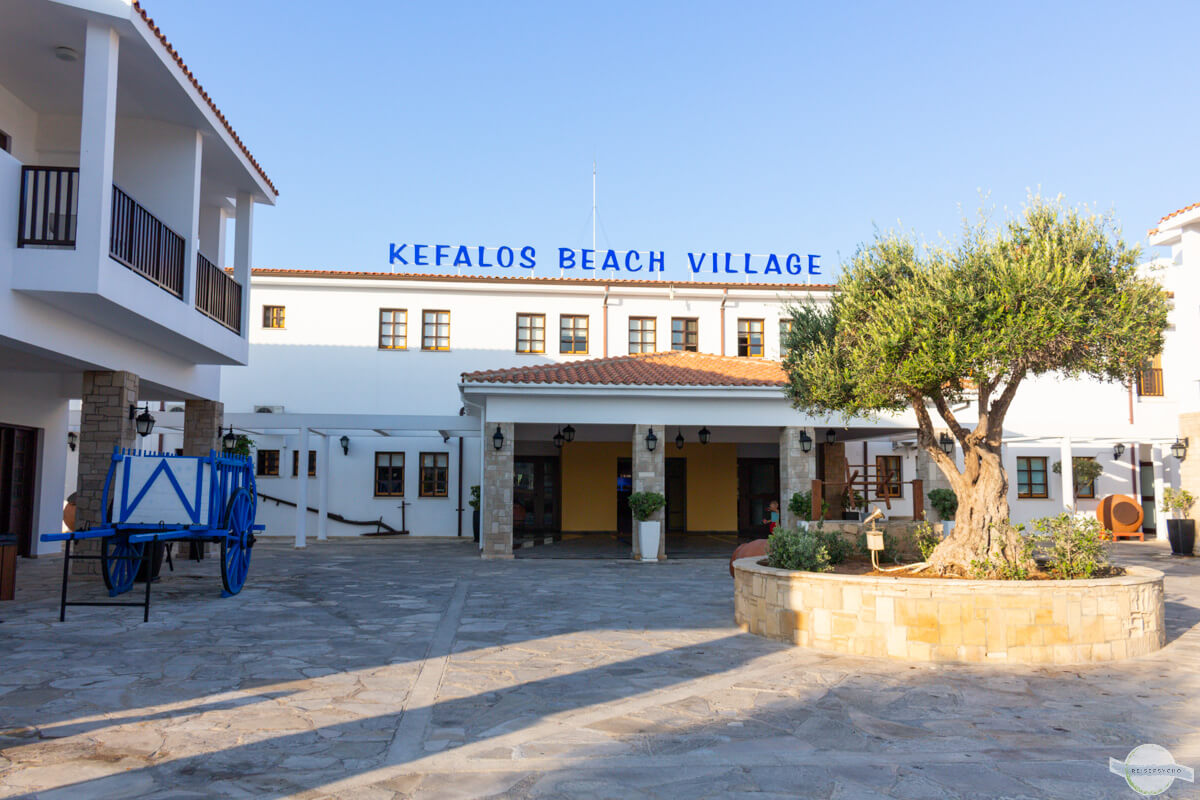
pixel 496 516
pixel 650 475
pixel 202 421
pixel 104 423
pixel 1189 468
pixel 796 470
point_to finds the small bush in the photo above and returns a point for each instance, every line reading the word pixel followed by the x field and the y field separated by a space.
pixel 926 537
pixel 1076 546
pixel 797 549
pixel 474 501
pixel 944 502
pixel 801 506
pixel 645 504
pixel 836 545
pixel 1018 568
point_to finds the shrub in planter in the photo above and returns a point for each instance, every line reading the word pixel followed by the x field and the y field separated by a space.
pixel 474 504
pixel 645 504
pixel 801 506
pixel 1180 531
pixel 1016 568
pixel 944 502
pixel 836 546
pixel 926 537
pixel 1076 546
pixel 797 549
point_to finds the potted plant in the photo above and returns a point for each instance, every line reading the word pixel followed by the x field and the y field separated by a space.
pixel 945 503
pixel 474 503
pixel 852 504
pixel 1181 532
pixel 645 505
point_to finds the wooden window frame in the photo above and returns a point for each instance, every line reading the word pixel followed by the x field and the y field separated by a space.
pixel 762 337
pixel 269 317
pixel 437 347
pixel 434 482
pixel 263 459
pixel 587 333
pixel 653 330
pixel 532 318
pixel 312 463
pixel 391 466
pixel 1028 473
pixel 384 338
pixel 1091 491
pixel 694 333
pixel 894 487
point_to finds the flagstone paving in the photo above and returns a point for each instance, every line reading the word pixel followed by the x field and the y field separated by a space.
pixel 395 669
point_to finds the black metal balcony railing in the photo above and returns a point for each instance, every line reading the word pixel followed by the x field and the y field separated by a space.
pixel 143 243
pixel 218 295
pixel 1150 383
pixel 49 198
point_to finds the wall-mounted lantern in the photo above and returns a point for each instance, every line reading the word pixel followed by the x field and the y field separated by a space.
pixel 946 443
pixel 345 443
pixel 229 440
pixel 569 433
pixel 498 439
pixel 830 436
pixel 72 440
pixel 679 440
pixel 559 438
pixel 651 441
pixel 705 434
pixel 805 441
pixel 1179 448
pixel 143 421
pixel 1118 450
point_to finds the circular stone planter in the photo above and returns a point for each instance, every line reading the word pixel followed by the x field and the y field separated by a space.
pixel 931 619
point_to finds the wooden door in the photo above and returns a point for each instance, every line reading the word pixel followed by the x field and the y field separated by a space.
pixel 18 472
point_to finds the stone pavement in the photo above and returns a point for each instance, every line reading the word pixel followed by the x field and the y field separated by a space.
pixel 390 669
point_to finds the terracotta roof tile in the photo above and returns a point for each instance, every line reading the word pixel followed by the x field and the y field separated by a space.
pixel 1173 214
pixel 671 368
pixel 184 67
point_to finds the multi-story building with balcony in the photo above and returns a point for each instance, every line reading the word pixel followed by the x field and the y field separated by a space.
pixel 119 179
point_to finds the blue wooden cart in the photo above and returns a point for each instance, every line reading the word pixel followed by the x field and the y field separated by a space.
pixel 153 499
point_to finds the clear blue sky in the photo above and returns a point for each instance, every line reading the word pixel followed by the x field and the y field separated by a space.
pixel 761 127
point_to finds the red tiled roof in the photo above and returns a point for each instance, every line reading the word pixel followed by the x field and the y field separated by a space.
pixel 533 279
pixel 1173 214
pixel 179 60
pixel 671 368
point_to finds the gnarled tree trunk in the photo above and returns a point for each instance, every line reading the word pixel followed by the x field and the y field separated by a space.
pixel 981 530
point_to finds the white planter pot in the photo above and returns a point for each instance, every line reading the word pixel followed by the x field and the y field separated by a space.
pixel 648 533
pixel 947 527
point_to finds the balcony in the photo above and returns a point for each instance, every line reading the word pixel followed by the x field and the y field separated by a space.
pixel 218 295
pixel 145 245
pixel 49 199
pixel 1150 382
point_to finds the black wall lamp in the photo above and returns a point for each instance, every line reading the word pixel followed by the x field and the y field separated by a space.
pixel 651 441
pixel 229 440
pixel 805 441
pixel 498 439
pixel 1179 448
pixel 345 443
pixel 143 421
pixel 72 440
pixel 830 436
pixel 1118 450
pixel 705 434
pixel 679 440
pixel 569 433
pixel 559 438
pixel 946 443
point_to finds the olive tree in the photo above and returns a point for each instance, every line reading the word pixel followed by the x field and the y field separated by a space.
pixel 1055 291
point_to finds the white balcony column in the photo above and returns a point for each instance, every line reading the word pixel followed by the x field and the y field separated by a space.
pixel 191 233
pixel 302 489
pixel 1156 459
pixel 97 139
pixel 323 487
pixel 1068 476
pixel 212 234
pixel 243 241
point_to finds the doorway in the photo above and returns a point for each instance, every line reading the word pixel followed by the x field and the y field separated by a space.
pixel 1146 490
pixel 758 485
pixel 676 495
pixel 535 495
pixel 18 471
pixel 624 489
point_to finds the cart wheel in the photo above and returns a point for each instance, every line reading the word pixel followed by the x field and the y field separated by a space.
pixel 236 546
pixel 119 562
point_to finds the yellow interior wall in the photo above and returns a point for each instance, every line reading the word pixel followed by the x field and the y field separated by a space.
pixel 589 485
pixel 712 484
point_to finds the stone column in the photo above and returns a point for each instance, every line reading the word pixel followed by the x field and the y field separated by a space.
pixel 104 423
pixel 836 470
pixel 650 475
pixel 932 476
pixel 202 421
pixel 796 470
pixel 496 516
pixel 1189 468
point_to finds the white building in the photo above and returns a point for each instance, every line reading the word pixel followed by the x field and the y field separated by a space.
pixel 418 371
pixel 119 177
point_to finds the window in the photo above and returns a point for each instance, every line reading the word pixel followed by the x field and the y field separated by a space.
pixel 312 463
pixel 750 338
pixel 435 474
pixel 1150 378
pixel 887 476
pixel 573 330
pixel 1085 492
pixel 1031 477
pixel 685 334
pixel 389 474
pixel 531 333
pixel 272 316
pixel 435 330
pixel 268 463
pixel 785 328
pixel 641 334
pixel 393 329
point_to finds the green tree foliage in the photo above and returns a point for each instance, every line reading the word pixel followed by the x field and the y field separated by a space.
pixel 1054 290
